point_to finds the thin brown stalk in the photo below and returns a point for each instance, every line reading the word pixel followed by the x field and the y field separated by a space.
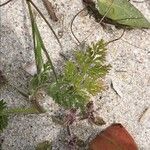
pixel 116 38
pixel 5 3
pixel 50 10
pixel 71 26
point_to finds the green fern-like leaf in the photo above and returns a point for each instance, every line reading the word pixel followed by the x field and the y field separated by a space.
pixel 82 77
pixel 92 62
pixel 3 116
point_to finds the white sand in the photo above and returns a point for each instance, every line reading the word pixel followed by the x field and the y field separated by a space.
pixel 130 73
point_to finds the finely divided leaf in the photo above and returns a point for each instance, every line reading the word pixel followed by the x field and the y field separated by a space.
pixel 82 77
pixel 123 12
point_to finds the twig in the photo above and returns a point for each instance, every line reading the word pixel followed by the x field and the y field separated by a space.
pixel 5 3
pixel 50 10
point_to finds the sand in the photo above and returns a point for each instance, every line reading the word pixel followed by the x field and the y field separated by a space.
pixel 130 74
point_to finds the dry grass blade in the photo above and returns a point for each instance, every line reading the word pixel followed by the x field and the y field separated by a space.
pixel 46 22
pixel 50 9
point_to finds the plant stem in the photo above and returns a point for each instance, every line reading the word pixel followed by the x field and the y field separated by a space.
pixel 5 3
pixel 46 23
pixel 35 31
pixel 38 57
pixel 31 110
pixel 45 51
pixel 71 26
pixel 34 103
pixel 115 39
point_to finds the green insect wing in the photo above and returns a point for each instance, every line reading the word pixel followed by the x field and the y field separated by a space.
pixel 123 12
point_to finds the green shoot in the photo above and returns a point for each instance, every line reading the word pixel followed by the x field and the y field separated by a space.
pixel 24 111
pixel 37 43
pixel 43 69
pixel 5 113
pixel 82 77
